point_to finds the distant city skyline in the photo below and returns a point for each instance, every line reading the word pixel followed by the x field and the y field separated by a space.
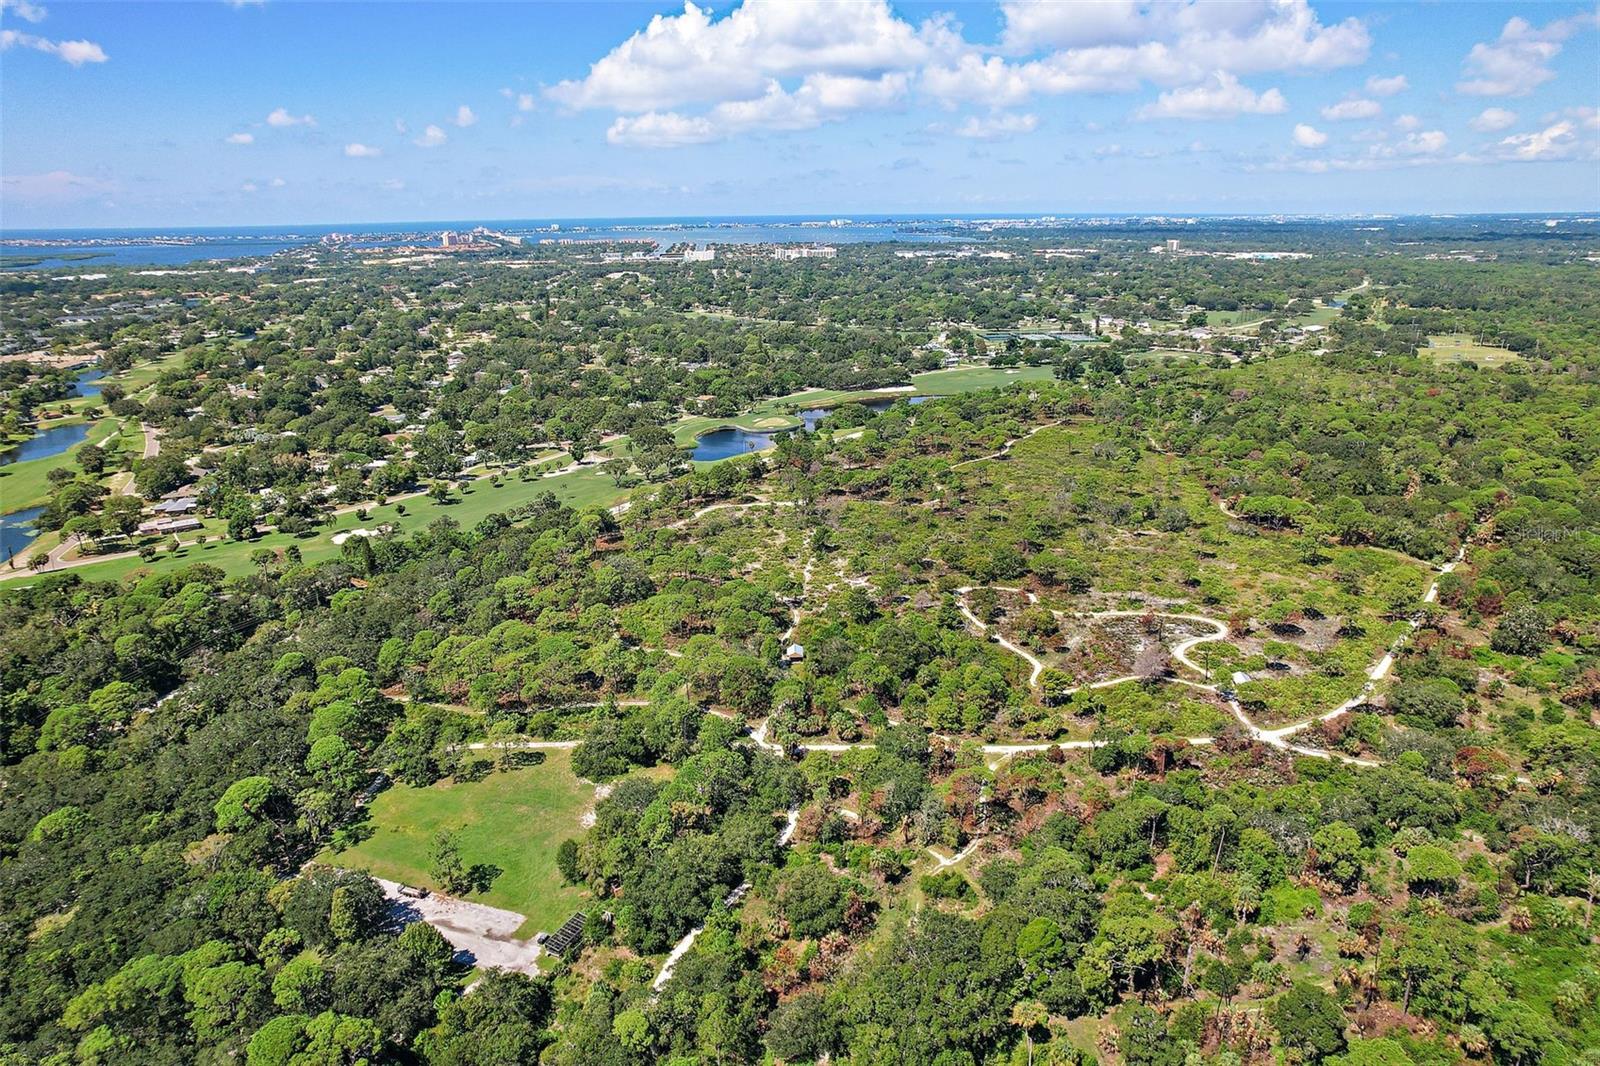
pixel 221 114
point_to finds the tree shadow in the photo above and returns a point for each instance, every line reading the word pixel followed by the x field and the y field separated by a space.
pixel 348 836
pixel 518 760
pixel 482 876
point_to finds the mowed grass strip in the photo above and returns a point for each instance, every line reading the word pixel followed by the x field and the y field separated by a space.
pixel 468 505
pixel 775 413
pixel 972 378
pixel 513 819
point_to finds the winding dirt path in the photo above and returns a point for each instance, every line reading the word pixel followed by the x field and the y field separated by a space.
pixel 943 862
pixel 1005 449
pixel 712 508
pixel 998 753
pixel 681 948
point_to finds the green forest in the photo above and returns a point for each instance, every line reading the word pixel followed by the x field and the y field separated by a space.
pixel 1208 670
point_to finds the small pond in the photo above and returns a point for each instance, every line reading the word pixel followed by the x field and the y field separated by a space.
pixel 17 532
pixel 87 379
pixel 731 441
pixel 43 445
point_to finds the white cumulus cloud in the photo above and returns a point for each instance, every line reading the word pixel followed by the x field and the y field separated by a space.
pixel 694 76
pixel 1553 142
pixel 465 117
pixel 819 98
pixel 656 129
pixel 1493 119
pixel 1349 110
pixel 694 57
pixel 1429 142
pixel 280 118
pixel 997 127
pixel 1377 86
pixel 1108 46
pixel 1221 96
pixel 1243 37
pixel 76 53
pixel 357 150
pixel 432 137
pixel 241 138
pixel 523 101
pixel 1518 61
pixel 1309 136
pixel 23 9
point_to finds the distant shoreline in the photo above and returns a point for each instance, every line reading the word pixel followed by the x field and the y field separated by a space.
pixel 313 230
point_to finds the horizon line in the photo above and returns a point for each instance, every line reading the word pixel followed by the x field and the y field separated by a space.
pixel 842 215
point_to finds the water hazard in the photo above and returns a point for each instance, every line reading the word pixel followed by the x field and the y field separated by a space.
pixel 731 441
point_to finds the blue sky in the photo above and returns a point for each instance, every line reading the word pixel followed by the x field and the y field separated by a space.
pixel 175 114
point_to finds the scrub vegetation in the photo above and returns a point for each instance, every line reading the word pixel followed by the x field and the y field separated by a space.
pixel 1239 707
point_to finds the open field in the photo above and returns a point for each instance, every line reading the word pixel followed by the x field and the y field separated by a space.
pixel 1460 348
pixel 1320 315
pixel 512 819
pixel 1164 354
pixel 1240 318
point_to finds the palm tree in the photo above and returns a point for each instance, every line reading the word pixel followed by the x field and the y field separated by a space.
pixel 1028 1015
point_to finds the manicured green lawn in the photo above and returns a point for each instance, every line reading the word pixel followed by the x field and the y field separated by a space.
pixel 971 378
pixel 513 819
pixel 580 489
pixel 1458 347
pixel 26 484
pixel 134 382
pixel 777 413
